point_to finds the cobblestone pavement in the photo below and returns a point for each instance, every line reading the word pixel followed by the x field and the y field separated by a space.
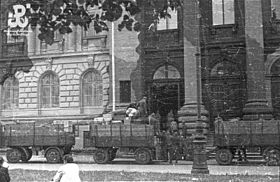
pixel 86 163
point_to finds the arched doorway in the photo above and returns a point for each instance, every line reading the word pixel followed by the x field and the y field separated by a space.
pixel 275 88
pixel 225 91
pixel 166 93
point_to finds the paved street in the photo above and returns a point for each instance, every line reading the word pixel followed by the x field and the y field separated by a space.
pixel 86 163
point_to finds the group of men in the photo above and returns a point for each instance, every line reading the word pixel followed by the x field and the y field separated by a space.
pixel 175 146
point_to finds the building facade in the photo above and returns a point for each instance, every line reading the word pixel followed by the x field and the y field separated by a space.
pixel 236 45
pixel 67 82
pixel 233 44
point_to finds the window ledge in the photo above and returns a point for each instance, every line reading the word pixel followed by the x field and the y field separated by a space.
pixel 167 30
pixel 223 26
pixel 95 37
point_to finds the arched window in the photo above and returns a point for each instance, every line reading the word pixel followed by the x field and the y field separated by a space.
pixel 92 89
pixel 226 90
pixel 10 93
pixel 166 72
pixel 225 68
pixel 49 91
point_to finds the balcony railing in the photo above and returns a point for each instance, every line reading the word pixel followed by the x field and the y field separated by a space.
pixel 13 50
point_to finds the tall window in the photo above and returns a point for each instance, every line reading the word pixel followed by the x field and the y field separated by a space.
pixel 92 89
pixel 223 12
pixel 49 90
pixel 125 91
pixel 169 22
pixel 10 93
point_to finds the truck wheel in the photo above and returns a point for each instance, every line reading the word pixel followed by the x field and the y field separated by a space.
pixel 13 155
pixel 101 156
pixel 272 157
pixel 53 155
pixel 142 156
pixel 224 156
pixel 24 154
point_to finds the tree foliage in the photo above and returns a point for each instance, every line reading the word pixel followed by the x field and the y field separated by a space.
pixel 59 15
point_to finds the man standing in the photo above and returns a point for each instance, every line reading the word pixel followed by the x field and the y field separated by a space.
pixel 142 107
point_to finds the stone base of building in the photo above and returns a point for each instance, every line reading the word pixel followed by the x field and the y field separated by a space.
pixel 257 109
pixel 188 117
pixel 188 113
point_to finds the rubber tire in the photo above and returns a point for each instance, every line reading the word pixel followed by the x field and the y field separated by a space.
pixel 53 155
pixel 224 157
pixel 101 156
pixel 265 151
pixel 13 155
pixel 272 157
pixel 143 156
pixel 24 154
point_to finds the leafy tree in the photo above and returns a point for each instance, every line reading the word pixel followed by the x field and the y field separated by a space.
pixel 53 15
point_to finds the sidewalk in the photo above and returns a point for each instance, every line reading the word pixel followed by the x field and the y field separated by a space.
pixel 86 164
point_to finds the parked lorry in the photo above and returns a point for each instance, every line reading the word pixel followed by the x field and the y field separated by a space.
pixel 107 139
pixel 140 140
pixel 234 135
pixel 23 138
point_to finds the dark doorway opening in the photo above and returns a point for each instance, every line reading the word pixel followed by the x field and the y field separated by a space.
pixel 166 97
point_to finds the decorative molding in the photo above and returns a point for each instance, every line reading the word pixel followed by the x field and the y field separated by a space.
pixel 49 62
pixel 90 60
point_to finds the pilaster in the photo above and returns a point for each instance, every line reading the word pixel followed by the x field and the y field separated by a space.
pixel 256 106
pixel 188 114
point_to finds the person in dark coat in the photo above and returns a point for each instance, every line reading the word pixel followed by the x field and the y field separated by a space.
pixel 4 173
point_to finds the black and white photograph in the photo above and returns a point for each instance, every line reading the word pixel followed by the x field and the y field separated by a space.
pixel 139 90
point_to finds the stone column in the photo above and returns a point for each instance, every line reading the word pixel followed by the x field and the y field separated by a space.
pixel 256 105
pixel 188 113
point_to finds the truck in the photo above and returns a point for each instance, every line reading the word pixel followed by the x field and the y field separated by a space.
pixel 140 140
pixel 261 135
pixel 107 139
pixel 22 139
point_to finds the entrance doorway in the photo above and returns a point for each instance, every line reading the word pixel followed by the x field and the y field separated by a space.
pixel 166 98
pixel 166 94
